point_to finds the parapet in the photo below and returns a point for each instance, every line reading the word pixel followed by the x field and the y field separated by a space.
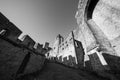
pixel 39 48
pixel 22 54
pixel 11 33
pixel 28 41
pixel 46 45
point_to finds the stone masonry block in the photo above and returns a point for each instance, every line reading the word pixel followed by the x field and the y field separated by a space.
pixel 12 32
pixel 28 41
pixel 36 63
pixel 10 59
pixel 65 60
pixel 95 62
pixel 39 48
pixel 113 62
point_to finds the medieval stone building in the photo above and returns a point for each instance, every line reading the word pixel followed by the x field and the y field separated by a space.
pixel 18 57
pixel 68 51
pixel 94 45
pixel 98 22
pixel 98 31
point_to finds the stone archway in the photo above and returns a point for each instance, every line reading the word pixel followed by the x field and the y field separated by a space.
pixel 106 15
pixel 90 8
pixel 97 29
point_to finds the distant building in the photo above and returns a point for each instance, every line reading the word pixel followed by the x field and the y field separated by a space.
pixel 98 34
pixel 67 51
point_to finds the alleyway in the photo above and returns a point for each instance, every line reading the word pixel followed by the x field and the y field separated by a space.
pixel 55 71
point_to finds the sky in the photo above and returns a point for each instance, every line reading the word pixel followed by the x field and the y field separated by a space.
pixel 42 20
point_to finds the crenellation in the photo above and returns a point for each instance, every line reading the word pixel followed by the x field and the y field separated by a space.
pixel 12 32
pixel 68 51
pixel 28 42
pixel 18 57
pixel 46 45
pixel 92 46
pixel 13 29
pixel 39 48
pixel 89 43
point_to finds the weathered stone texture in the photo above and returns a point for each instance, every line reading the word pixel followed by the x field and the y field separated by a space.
pixel 85 34
pixel 80 54
pixel 113 62
pixel 36 63
pixel 88 65
pixel 101 39
pixel 28 42
pixel 18 57
pixel 95 62
pixel 98 22
pixel 69 50
pixel 10 59
pixel 62 49
pixel 107 16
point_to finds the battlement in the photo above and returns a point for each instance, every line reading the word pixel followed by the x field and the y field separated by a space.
pixel 68 52
pixel 25 55
pixel 90 40
pixel 39 47
pixel 28 41
pixel 11 32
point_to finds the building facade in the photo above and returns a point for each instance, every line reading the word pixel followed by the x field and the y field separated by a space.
pixel 67 51
pixel 98 32
pixel 18 56
pixel 98 22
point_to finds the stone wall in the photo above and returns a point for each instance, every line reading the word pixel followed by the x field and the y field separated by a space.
pixel 18 57
pixel 68 51
pixel 113 62
pixel 95 19
pixel 98 22
pixel 64 50
pixel 107 16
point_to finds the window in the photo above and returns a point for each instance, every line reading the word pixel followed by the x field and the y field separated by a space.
pixel 67 45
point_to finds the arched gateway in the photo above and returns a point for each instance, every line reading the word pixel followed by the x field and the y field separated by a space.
pixel 94 30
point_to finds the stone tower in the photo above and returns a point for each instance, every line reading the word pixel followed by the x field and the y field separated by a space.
pixel 98 22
